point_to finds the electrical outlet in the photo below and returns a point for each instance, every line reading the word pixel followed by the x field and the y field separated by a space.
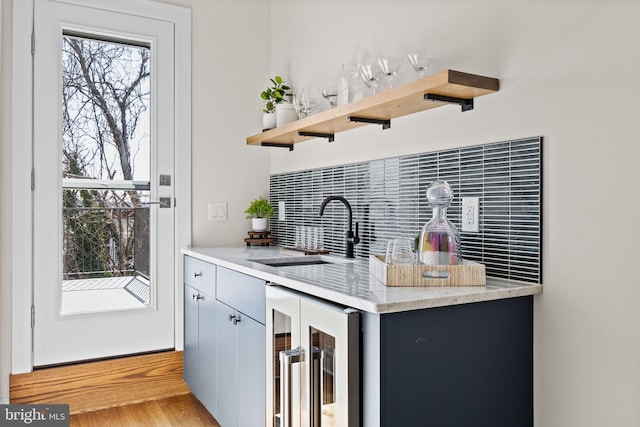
pixel 281 211
pixel 471 214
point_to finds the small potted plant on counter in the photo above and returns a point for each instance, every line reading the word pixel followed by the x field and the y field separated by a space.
pixel 258 212
pixel 272 96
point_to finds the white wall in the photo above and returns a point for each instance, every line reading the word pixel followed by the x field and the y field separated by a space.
pixel 568 71
pixel 230 67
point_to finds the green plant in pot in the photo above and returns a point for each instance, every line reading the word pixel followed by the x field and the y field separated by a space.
pixel 258 212
pixel 272 96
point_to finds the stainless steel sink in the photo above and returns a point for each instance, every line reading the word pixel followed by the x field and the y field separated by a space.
pixel 289 261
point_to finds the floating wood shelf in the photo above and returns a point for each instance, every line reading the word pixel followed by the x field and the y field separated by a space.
pixel 438 89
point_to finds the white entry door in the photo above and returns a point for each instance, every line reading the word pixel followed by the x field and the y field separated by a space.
pixel 103 159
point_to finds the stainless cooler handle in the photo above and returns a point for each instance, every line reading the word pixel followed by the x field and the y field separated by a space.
pixel 287 359
pixel 316 387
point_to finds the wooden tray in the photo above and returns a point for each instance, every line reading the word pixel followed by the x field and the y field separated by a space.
pixel 468 273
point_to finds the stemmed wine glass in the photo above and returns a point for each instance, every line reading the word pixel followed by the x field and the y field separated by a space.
pixel 331 95
pixel 419 62
pixel 389 67
pixel 369 75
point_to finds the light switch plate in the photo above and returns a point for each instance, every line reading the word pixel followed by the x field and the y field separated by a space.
pixel 471 214
pixel 217 211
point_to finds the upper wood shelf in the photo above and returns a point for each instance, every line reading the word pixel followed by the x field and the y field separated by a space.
pixel 396 102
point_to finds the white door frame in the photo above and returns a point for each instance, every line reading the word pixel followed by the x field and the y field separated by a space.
pixel 22 155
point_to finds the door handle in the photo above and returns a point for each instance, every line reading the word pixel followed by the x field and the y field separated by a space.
pixel 163 202
pixel 317 356
pixel 287 359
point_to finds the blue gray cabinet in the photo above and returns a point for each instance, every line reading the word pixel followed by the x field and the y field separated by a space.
pixel 199 330
pixel 459 365
pixel 240 349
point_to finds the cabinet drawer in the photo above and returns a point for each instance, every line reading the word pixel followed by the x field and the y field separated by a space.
pixel 241 292
pixel 200 275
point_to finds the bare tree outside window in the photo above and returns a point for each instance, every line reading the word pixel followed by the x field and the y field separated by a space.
pixel 105 138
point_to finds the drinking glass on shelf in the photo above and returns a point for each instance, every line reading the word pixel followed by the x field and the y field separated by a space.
pixel 402 252
pixel 309 100
pixel 331 95
pixel 297 104
pixel 390 66
pixel 419 61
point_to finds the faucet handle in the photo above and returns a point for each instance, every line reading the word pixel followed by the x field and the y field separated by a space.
pixel 356 237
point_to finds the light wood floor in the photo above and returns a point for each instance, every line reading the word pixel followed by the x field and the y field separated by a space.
pixel 184 410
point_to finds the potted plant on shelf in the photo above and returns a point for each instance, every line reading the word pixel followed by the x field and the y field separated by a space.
pixel 258 212
pixel 272 96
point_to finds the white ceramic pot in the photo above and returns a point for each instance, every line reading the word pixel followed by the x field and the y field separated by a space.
pixel 285 113
pixel 259 224
pixel 268 121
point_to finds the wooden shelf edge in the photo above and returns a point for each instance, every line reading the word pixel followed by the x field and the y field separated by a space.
pixel 396 102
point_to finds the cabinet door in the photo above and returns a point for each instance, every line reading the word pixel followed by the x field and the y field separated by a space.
pixel 207 351
pixel 251 372
pixel 191 339
pixel 226 359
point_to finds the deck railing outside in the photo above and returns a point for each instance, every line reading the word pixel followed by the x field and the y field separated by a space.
pixel 105 242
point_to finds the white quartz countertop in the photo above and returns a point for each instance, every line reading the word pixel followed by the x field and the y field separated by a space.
pixel 348 282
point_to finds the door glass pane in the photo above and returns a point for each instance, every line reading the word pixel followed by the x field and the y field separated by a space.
pixel 323 389
pixel 105 174
pixel 281 341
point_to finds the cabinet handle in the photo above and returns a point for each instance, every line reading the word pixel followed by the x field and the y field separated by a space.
pixel 197 274
pixel 234 319
pixel 287 359
pixel 197 297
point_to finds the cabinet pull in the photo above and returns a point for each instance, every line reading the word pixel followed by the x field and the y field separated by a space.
pixel 197 274
pixel 197 297
pixel 234 319
pixel 287 359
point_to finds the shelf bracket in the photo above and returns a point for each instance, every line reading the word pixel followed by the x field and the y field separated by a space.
pixel 329 136
pixel 277 144
pixel 465 104
pixel 386 123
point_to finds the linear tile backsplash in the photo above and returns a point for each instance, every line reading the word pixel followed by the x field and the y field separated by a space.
pixel 388 200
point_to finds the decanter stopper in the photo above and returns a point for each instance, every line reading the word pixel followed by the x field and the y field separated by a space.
pixel 439 239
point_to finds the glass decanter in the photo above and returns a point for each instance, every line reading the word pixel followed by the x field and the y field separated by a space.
pixel 439 239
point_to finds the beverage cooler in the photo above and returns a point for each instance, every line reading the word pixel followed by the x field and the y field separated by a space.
pixel 313 356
